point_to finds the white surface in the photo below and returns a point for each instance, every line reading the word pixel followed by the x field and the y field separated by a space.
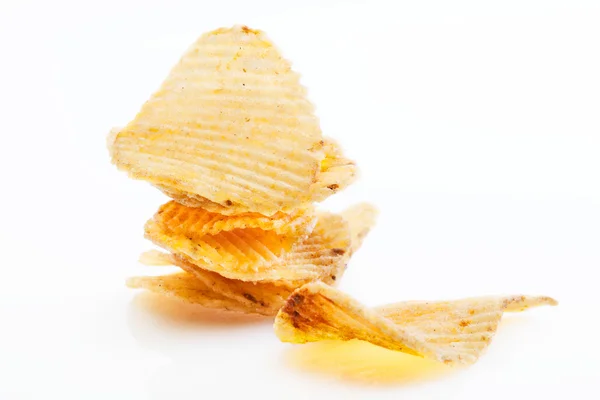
pixel 475 125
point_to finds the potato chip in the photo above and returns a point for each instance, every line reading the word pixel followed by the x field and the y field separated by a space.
pixel 198 222
pixel 185 287
pixel 215 291
pixel 230 124
pixel 264 298
pixel 452 332
pixel 336 173
pixel 253 254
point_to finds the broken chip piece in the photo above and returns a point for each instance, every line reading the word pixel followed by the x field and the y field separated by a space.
pixel 231 130
pixel 452 332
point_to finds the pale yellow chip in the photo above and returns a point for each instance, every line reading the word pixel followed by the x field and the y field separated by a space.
pixel 264 298
pixel 254 254
pixel 452 332
pixel 336 173
pixel 231 126
pixel 186 287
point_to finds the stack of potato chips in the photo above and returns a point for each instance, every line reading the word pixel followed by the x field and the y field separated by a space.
pixel 231 137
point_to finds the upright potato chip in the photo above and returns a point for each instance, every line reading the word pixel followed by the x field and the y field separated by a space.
pixel 452 332
pixel 264 298
pixel 336 173
pixel 230 124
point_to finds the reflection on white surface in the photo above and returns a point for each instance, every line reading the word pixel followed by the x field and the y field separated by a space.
pixel 361 362
pixel 171 326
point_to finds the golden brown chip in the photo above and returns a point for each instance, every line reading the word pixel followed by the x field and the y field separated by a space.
pixel 254 254
pixel 230 124
pixel 452 332
pixel 198 222
pixel 264 298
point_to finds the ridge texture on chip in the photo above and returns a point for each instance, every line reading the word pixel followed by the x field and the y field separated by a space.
pixel 231 130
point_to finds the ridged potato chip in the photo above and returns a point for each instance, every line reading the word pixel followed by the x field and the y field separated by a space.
pixel 231 124
pixel 197 222
pixel 452 332
pixel 254 254
pixel 212 290
pixel 186 287
pixel 264 298
pixel 336 173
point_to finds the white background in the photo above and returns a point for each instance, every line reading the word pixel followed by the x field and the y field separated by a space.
pixel 476 126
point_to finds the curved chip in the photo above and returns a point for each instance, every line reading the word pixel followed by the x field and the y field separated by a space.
pixel 452 332
pixel 254 254
pixel 198 222
pixel 360 218
pixel 336 173
pixel 185 287
pixel 230 124
pixel 212 290
pixel 264 298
